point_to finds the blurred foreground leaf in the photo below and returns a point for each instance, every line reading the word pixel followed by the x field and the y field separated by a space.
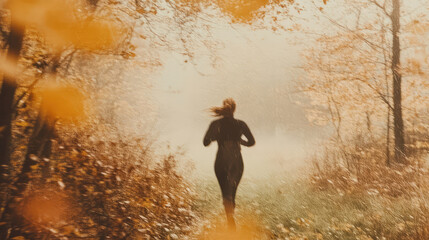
pixel 64 102
pixel 57 21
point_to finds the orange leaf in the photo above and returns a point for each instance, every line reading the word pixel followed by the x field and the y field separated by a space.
pixel 64 102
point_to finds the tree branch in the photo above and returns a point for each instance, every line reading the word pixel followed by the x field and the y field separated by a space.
pixel 371 44
pixel 382 7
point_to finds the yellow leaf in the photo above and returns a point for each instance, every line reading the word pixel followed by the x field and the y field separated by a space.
pixel 22 124
pixel 34 167
pixel 56 20
pixel 64 102
pixel 18 238
pixel 67 230
pixel 242 11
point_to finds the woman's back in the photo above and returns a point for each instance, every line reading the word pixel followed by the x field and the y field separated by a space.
pixel 227 132
pixel 228 129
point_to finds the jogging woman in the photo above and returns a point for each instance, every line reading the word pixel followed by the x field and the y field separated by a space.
pixel 228 131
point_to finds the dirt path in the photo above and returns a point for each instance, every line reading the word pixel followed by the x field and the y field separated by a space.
pixel 249 228
pixel 211 221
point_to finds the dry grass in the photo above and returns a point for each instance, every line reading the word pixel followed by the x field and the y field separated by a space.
pixel 326 205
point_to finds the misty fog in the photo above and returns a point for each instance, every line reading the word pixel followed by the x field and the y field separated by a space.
pixel 259 70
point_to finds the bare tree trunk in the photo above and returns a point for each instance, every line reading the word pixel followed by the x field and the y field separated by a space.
pixel 388 138
pixel 389 108
pixel 38 144
pixel 7 96
pixel 39 147
pixel 397 79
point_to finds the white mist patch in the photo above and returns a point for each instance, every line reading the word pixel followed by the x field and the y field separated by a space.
pixel 274 154
pixel 257 70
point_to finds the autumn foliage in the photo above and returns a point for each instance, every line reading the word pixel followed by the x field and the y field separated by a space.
pixel 90 195
pixel 54 184
pixel 71 170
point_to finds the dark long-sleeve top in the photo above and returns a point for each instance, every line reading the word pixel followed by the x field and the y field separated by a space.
pixel 229 129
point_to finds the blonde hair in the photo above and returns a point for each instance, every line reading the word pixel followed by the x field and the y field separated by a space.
pixel 227 109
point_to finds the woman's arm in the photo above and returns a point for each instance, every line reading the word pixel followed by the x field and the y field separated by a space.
pixel 246 132
pixel 210 134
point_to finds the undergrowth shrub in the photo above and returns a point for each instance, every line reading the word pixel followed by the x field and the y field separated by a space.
pixel 105 191
pixel 359 170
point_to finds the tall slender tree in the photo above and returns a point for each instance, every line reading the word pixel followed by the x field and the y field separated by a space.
pixel 395 17
pixel 7 94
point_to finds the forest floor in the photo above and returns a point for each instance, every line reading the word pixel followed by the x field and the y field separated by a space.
pixel 211 221
pixel 293 209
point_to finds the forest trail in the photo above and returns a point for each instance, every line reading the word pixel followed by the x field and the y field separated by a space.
pixel 211 222
pixel 248 228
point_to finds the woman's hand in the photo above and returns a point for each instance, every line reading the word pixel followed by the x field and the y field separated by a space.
pixel 244 142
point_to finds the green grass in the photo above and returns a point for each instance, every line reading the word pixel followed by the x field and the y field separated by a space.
pixel 293 209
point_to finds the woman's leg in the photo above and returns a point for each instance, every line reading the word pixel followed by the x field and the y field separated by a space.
pixel 235 180
pixel 227 194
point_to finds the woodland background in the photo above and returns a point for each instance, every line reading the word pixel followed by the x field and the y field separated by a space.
pixel 71 169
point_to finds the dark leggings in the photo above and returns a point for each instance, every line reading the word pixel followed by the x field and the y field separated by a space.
pixel 227 132
pixel 228 173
